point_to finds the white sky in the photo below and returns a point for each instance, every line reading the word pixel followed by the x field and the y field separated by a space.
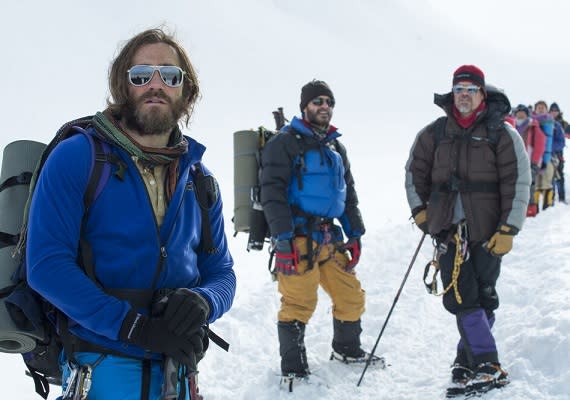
pixel 383 60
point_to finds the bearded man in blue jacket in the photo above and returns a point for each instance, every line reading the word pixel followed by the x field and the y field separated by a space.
pixel 143 230
pixel 307 184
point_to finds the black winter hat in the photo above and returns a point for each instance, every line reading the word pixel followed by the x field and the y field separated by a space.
pixel 554 107
pixel 313 90
pixel 523 108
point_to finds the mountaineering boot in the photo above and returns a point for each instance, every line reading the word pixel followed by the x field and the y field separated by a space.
pixel 460 376
pixel 346 344
pixel 294 366
pixel 346 338
pixel 460 372
pixel 548 199
pixel 487 376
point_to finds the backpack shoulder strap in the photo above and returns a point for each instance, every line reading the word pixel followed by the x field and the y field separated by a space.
pixel 207 194
pixel 441 122
pixel 494 135
pixel 98 178
pixel 100 169
pixel 439 128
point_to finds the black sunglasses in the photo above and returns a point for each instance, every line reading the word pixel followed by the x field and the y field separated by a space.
pixel 319 101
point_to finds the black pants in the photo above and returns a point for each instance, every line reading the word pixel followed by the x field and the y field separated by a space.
pixel 476 282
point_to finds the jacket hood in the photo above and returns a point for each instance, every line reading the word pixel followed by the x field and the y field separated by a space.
pixel 498 105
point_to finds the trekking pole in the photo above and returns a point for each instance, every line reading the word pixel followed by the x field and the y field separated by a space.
pixel 392 308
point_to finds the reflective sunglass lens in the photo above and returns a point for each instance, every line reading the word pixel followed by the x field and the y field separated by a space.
pixel 140 74
pixel 170 75
pixel 469 89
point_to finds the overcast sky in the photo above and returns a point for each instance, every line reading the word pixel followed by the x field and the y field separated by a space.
pixel 383 60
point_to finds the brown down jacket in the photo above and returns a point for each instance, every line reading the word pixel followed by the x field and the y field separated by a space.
pixel 488 154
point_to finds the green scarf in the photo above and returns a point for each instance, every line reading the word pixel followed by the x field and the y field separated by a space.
pixel 107 128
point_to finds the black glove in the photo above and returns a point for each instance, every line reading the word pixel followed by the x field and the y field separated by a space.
pixel 151 334
pixel 186 312
pixel 286 257
pixel 200 343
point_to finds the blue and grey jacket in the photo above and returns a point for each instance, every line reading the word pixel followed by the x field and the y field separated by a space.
pixel 128 246
pixel 304 178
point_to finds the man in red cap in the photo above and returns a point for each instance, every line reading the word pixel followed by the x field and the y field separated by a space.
pixel 467 184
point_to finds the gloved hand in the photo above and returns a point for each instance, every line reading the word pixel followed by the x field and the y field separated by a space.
pixel 354 247
pixel 421 220
pixel 200 343
pixel 286 257
pixel 151 334
pixel 502 241
pixel 186 312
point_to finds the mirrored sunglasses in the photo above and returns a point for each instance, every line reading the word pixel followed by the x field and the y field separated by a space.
pixel 171 75
pixel 319 101
pixel 471 89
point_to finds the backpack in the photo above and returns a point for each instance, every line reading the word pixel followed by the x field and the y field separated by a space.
pixel 28 321
pixel 248 212
pixel 439 128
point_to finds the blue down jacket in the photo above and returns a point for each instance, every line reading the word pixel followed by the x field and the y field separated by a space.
pixel 126 241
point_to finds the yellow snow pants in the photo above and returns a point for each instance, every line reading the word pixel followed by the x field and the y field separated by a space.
pixel 328 269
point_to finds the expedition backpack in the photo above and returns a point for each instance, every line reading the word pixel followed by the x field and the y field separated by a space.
pixel 248 212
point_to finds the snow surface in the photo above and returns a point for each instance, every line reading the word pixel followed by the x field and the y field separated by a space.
pixel 383 60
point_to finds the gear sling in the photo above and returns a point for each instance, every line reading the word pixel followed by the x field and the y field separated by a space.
pixel 29 310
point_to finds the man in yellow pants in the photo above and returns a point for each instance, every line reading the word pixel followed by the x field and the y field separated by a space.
pixel 306 185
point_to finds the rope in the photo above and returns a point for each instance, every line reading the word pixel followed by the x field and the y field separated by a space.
pixel 457 261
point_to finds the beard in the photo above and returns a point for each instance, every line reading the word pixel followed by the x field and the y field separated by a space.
pixel 156 121
pixel 464 108
pixel 319 119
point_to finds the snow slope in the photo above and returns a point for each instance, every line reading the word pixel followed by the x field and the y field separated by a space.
pixel 532 329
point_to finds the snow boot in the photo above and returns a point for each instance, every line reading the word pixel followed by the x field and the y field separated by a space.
pixel 460 376
pixel 548 199
pixel 346 338
pixel 346 344
pixel 292 349
pixel 487 376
